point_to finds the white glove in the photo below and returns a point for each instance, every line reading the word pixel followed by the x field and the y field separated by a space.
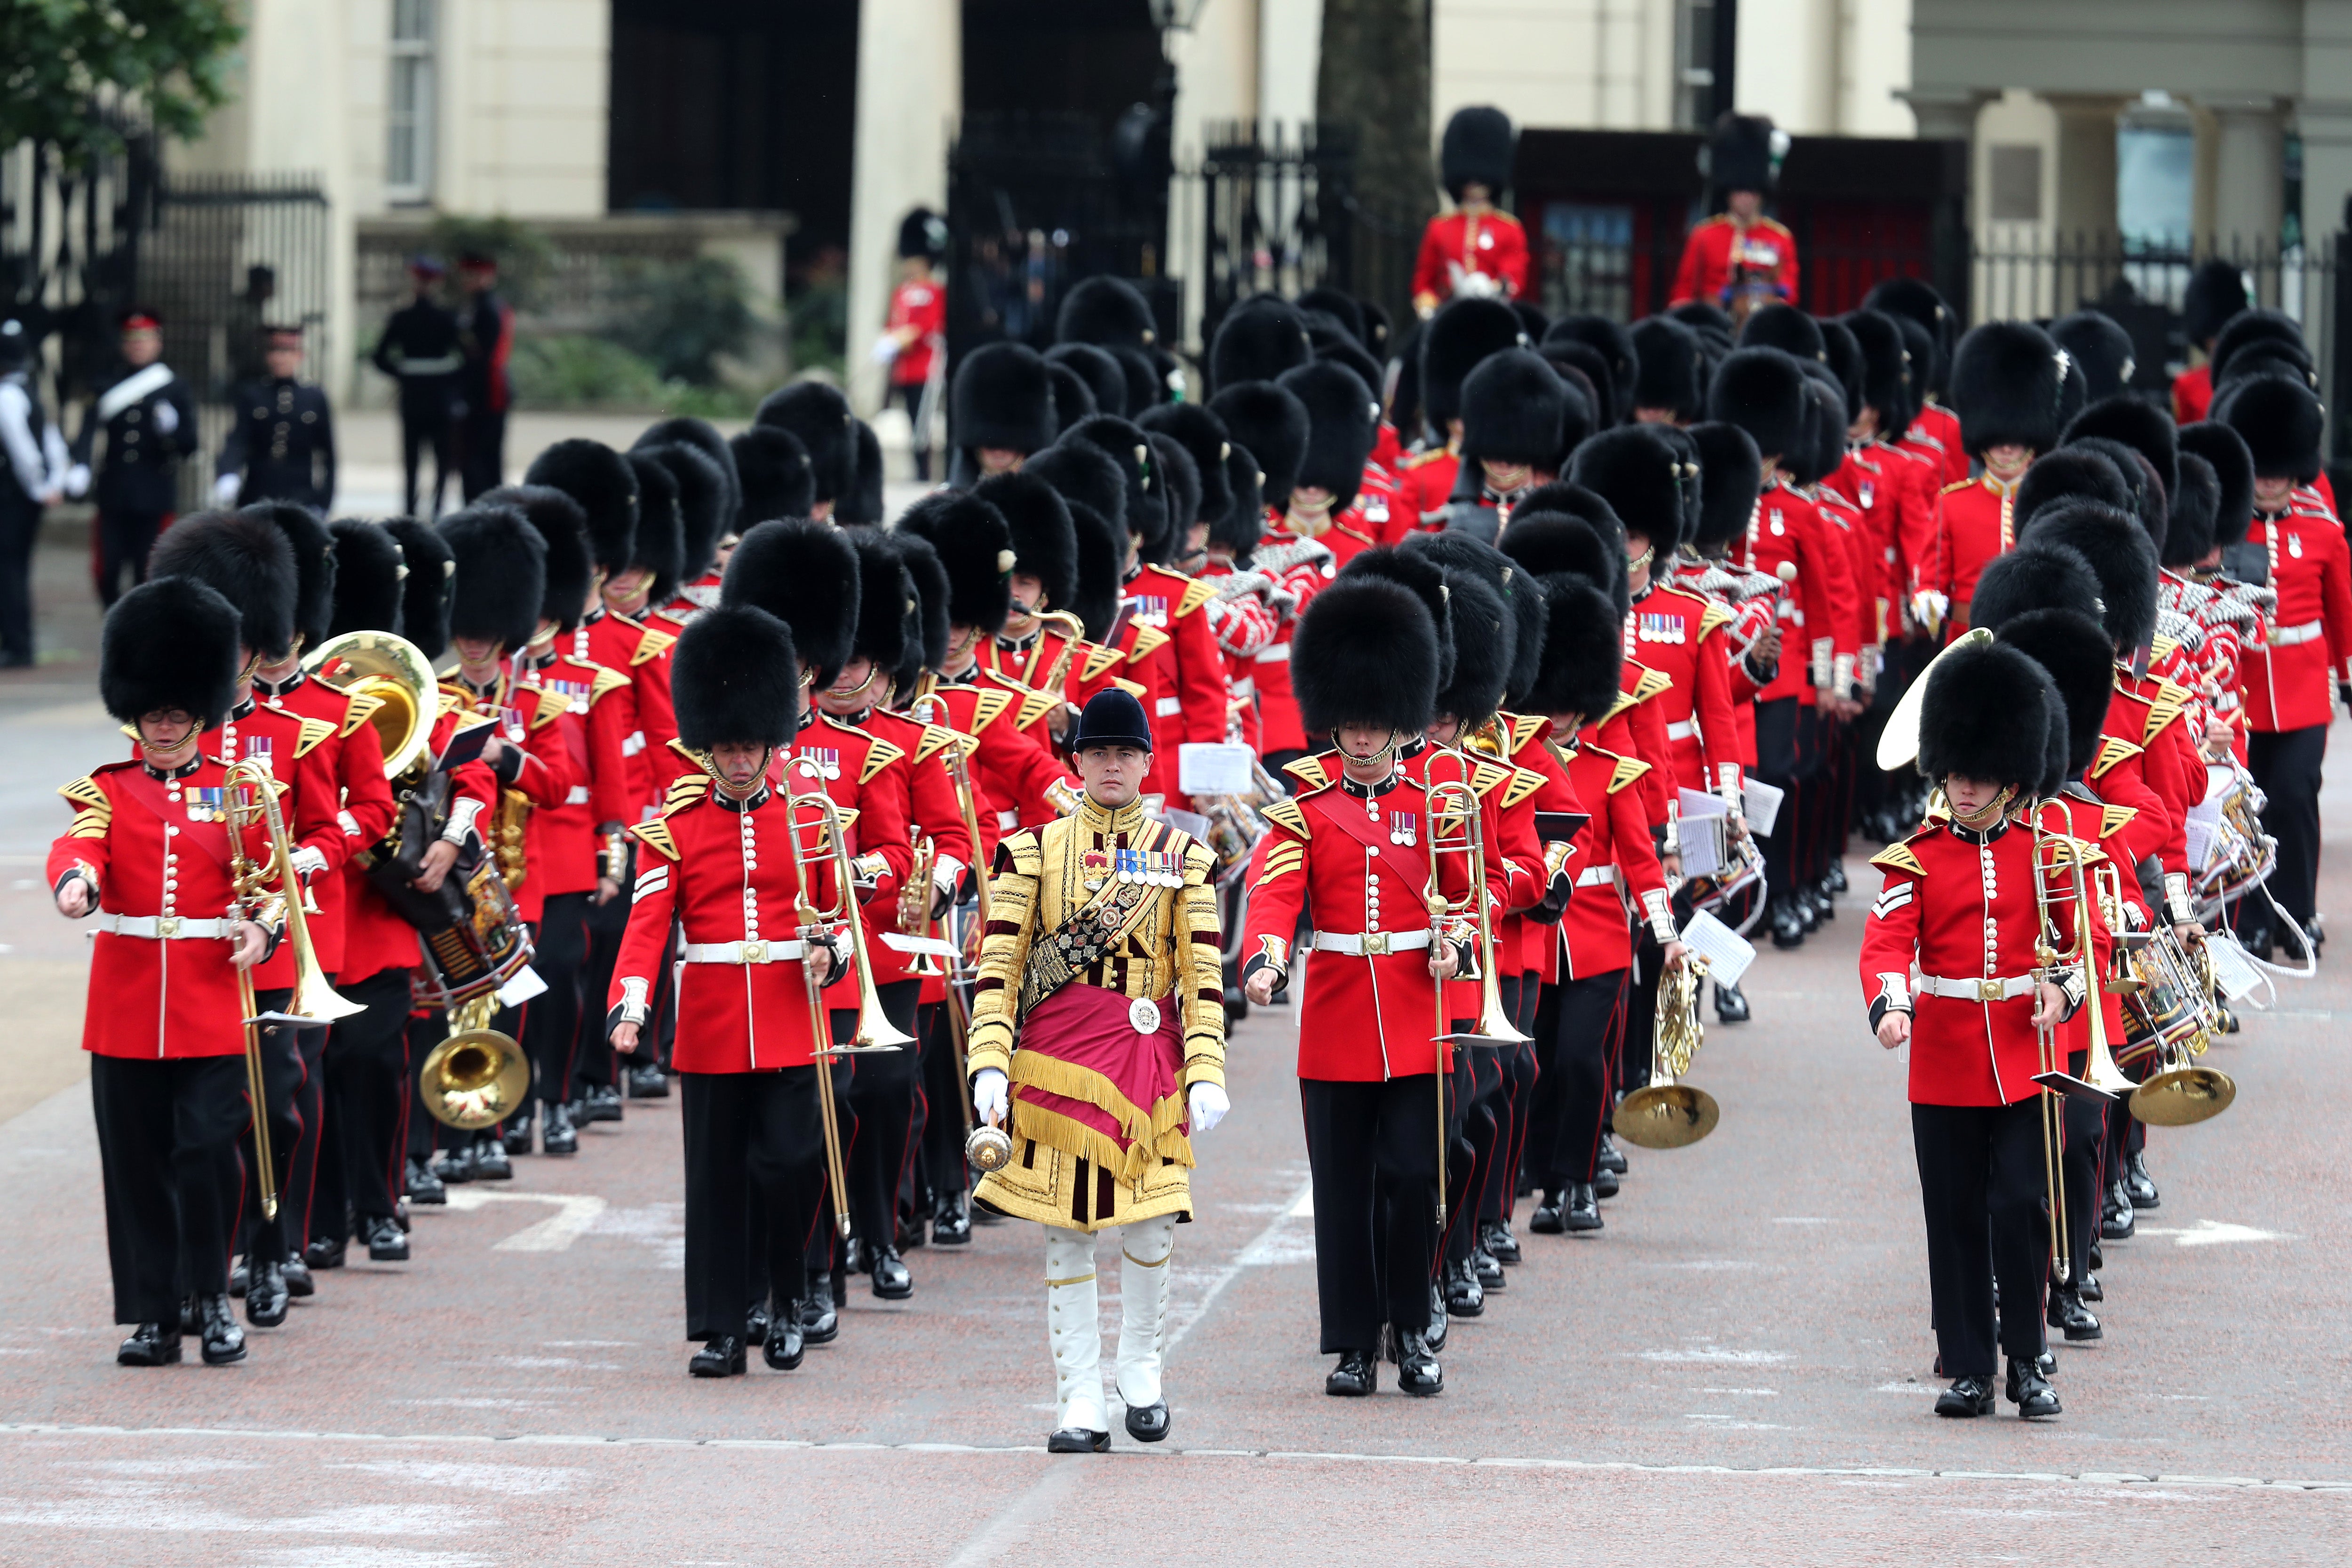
pixel 167 419
pixel 225 489
pixel 990 1096
pixel 886 349
pixel 1209 1106
pixel 78 481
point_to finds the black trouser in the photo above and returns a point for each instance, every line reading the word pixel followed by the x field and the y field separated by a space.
pixel 1571 1101
pixel 2084 1168
pixel 939 1109
pixel 1475 1096
pixel 284 1072
pixel 551 1022
pixel 593 1064
pixel 20 527
pixel 742 1128
pixel 426 421
pixel 910 394
pixel 481 452
pixel 426 1030
pixel 368 1100
pixel 1371 1149
pixel 2285 763
pixel 167 1147
pixel 1778 762
pixel 1629 1065
pixel 1985 1193
pixel 882 1099
pixel 840 1023
pixel 295 1204
pixel 1498 1182
pixel 125 538
pixel 1538 1124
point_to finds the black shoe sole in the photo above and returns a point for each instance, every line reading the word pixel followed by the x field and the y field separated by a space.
pixel 387 1255
pixel 1145 1434
pixel 1346 1390
pixel 266 1317
pixel 168 1358
pixel 1085 1443
pixel 898 1294
pixel 1428 1390
pixel 223 1358
pixel 1967 1413
pixel 786 1364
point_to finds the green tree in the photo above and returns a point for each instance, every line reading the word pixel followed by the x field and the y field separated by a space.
pixel 60 59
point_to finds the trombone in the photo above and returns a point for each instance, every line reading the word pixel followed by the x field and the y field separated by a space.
pixel 314 1001
pixel 1457 797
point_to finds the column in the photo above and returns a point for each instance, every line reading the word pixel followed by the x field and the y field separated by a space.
pixel 2249 179
pixel 2085 198
pixel 910 94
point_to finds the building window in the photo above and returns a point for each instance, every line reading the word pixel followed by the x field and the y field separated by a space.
pixel 1697 64
pixel 408 124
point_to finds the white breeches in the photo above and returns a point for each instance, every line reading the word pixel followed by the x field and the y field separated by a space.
pixel 1074 1320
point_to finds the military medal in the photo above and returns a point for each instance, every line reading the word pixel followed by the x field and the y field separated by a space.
pixel 821 761
pixel 1404 829
pixel 207 805
pixel 1144 1014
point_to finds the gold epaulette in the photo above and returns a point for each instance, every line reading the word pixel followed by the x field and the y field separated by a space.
pixel 1411 460
pixel 450 701
pixel 655 835
pixel 95 810
pixel 1487 777
pixel 1714 616
pixel 1623 772
pixel 651 645
pixel 1283 858
pixel 678 621
pixel 1196 593
pixel 986 705
pixel 1149 640
pixel 1652 683
pixel 937 738
pixel 310 734
pixel 1521 731
pixel 1311 771
pixel 2171 691
pixel 1898 857
pixel 879 754
pixel 1098 662
pixel 1035 705
pixel 1524 782
pixel 2161 649
pixel 2111 752
pixel 1134 689
pixel 2112 818
pixel 2160 712
pixel 546 707
pixel 684 790
pixel 678 749
pixel 1954 485
pixel 1286 814
pixel 357 710
pixel 604 681
pixel 1626 700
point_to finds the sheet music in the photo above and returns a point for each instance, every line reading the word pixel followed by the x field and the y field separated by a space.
pixel 1761 803
pixel 1701 838
pixel 1728 953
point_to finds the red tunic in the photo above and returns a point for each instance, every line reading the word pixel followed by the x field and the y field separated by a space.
pixel 1816 625
pixel 1680 634
pixel 1425 485
pixel 1974 522
pixel 1457 247
pixel 531 717
pixel 354 756
pixel 2306 644
pixel 1616 862
pixel 595 731
pixel 1010 772
pixel 1543 785
pixel 312 807
pixel 1723 263
pixel 1300 567
pixel 724 871
pixel 1190 701
pixel 922 305
pixel 933 812
pixel 375 938
pixel 641 653
pixel 1936 433
pixel 2192 393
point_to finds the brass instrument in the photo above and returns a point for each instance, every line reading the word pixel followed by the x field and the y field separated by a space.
pixel 1664 1113
pixel 1074 637
pixel 986 1147
pixel 314 1001
pixel 509 825
pixel 820 1023
pixel 2174 1009
pixel 394 671
pixel 915 907
pixel 478 1076
pixel 874 1032
pixel 1495 1026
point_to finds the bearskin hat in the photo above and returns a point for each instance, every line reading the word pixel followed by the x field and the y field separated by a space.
pixel 1824 442
pixel 245 558
pixel 661 528
pixel 1514 407
pixel 1342 422
pixel 1453 342
pixel 884 593
pixel 1706 319
pixel 1761 391
pixel 1085 474
pixel 1044 546
pixel 1198 429
pixel 2282 424
pixel 775 470
pixel 2121 554
pixel 1985 715
pixel 1785 327
pixel 974 547
pixel 2216 292
pixel 431 583
pixel 1731 475
pixel 1460 555
pixel 1533 324
pixel 1482 631
pixel 2036 576
pixel 2189 537
pixel 1924 360
pixel 705 439
pixel 736 677
pixel 1243 523
pixel 702 505
pixel 1688 473
pixel 2073 647
pixel 1546 543
pixel 1640 476
pixel 1842 351
pixel 1258 340
pixel 1180 485
pixel 2267 356
pixel 2249 327
pixel 2074 471
pixel 805 575
pixel 1073 399
pixel 1271 421
pixel 1741 153
pixel 170 642
pixel 1366 652
pixel 368 574
pixel 2233 472
pixel 1915 299
pixel 928 625
pixel 602 481
pixel 1148 371
pixel 820 415
pixel 1885 370
pixel 923 233
pixel 1367 368
pixel 1672 369
pixel 314 566
pixel 1477 149
pixel 564 528
pixel 501 576
pixel 863 505
pixel 1425 579
pixel 1341 306
pixel 1583 658
pixel 2149 502
pixel 1001 397
pixel 1145 504
pixel 1613 343
pixel 2101 346
pixel 1094 367
pixel 1109 311
pixel 1586 368
pixel 2008 383
pixel 1101 571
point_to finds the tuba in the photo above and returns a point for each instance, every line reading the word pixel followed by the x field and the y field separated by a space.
pixel 1662 1113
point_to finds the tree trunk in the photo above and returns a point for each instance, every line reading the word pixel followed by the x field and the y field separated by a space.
pixel 1374 79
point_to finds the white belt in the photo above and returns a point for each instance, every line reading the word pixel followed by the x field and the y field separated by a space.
pixel 160 927
pixel 743 952
pixel 1793 613
pixel 1370 944
pixel 1245 687
pixel 1167 707
pixel 1277 653
pixel 1598 877
pixel 1682 730
pixel 2294 636
pixel 1006 821
pixel 579 796
pixel 2000 990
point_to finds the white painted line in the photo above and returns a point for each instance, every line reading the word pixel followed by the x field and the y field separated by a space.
pixel 555 1234
pixel 2212 1232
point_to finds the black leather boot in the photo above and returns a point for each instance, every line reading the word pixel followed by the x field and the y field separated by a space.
pixel 266 1297
pixel 2066 1311
pixel 557 1135
pixel 1584 1209
pixel 2030 1390
pixel 1788 925
pixel 719 1357
pixel 516 1135
pixel 2139 1185
pixel 1464 1296
pixel 891 1280
pixel 224 1341
pixel 1358 1373
pixel 1417 1369
pixel 786 1343
pixel 1499 1244
pixel 952 1220
pixel 1730 1005
pixel 151 1344
pixel 1967 1397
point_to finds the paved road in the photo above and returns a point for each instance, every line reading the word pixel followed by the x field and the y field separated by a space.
pixel 1736 1370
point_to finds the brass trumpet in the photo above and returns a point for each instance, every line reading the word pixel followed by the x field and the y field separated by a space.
pixel 1662 1113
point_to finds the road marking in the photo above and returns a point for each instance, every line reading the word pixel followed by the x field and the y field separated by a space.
pixel 556 1233
pixel 2212 1232
pixel 443 1440
pixel 1264 1245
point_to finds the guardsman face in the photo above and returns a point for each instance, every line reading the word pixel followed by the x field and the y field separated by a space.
pixel 1028 596
pixel 848 693
pixel 624 591
pixel 1113 774
pixel 2008 461
pixel 285 360
pixel 1445 730
pixel 477 652
pixel 999 459
pixel 167 732
pixel 1363 742
pixel 1745 207
pixel 739 764
pixel 1970 797
pixel 2271 491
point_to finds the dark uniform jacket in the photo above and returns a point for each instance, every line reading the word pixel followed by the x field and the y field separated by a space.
pixel 141 472
pixel 283 444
